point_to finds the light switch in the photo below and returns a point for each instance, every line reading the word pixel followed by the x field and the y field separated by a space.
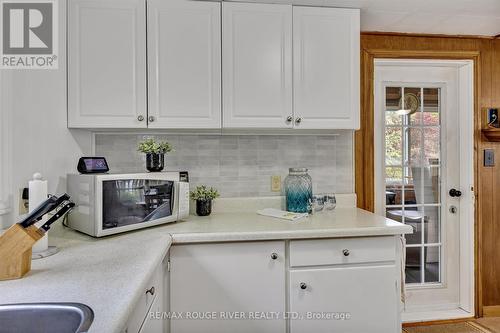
pixel 276 183
pixel 489 158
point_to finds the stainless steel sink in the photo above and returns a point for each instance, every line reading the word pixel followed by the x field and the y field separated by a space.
pixel 45 318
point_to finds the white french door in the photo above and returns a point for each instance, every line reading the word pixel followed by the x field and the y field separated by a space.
pixel 423 175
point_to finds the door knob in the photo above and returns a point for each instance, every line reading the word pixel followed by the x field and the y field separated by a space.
pixel 151 119
pixel 298 120
pixel 303 286
pixel 455 193
pixel 345 252
pixel 274 256
pixel 140 118
pixel 289 119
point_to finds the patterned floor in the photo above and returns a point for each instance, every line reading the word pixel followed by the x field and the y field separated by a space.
pixel 465 327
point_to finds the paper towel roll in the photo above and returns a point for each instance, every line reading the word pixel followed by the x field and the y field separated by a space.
pixel 38 191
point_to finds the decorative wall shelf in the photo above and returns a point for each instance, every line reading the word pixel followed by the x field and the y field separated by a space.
pixel 492 134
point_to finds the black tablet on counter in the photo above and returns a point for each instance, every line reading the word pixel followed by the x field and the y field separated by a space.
pixel 92 165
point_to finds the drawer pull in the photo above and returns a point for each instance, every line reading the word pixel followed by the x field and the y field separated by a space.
pixel 274 256
pixel 345 252
pixel 151 291
pixel 303 286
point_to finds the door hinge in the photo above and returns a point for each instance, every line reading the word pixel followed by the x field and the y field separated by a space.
pixel 168 266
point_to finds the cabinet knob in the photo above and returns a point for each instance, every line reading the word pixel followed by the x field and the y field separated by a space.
pixel 151 119
pixel 345 252
pixel 151 291
pixel 303 286
pixel 289 119
pixel 274 256
pixel 298 120
pixel 140 118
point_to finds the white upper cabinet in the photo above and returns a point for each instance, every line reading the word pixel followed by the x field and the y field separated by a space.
pixel 326 68
pixel 257 65
pixel 107 64
pixel 202 69
pixel 184 64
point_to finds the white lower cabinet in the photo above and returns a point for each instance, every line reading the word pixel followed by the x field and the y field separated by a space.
pixel 347 285
pixel 147 316
pixel 344 300
pixel 152 324
pixel 231 279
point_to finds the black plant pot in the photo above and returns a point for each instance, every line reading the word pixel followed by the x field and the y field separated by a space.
pixel 155 162
pixel 203 207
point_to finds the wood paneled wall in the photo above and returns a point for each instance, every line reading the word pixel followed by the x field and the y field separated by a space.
pixel 486 54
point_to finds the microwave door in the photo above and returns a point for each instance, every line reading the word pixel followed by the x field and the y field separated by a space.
pixel 160 201
pixel 133 201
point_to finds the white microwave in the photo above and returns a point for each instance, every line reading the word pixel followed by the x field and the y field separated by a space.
pixel 108 204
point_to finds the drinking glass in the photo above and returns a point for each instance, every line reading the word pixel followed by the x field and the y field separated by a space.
pixel 330 201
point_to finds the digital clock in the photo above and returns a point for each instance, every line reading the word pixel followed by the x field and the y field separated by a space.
pixel 92 165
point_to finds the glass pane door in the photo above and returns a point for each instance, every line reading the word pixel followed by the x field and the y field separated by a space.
pixel 413 176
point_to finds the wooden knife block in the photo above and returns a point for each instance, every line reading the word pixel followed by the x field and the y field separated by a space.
pixel 15 251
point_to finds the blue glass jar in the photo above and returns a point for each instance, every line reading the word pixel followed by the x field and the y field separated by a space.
pixel 298 190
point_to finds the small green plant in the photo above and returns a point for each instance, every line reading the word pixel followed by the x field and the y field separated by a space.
pixel 204 193
pixel 151 146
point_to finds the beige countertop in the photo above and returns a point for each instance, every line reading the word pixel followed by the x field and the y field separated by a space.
pixel 109 274
pixel 248 226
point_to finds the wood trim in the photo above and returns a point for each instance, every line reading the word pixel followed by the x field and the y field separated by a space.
pixel 410 34
pixel 364 145
pixel 438 322
pixel 491 311
pixel 364 138
pixel 424 54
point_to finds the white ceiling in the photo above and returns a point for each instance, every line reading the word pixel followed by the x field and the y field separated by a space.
pixel 451 17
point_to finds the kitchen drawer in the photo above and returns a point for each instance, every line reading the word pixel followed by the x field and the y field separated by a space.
pixel 342 251
pixel 148 295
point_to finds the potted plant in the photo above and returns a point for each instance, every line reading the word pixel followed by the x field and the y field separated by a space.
pixel 155 153
pixel 203 197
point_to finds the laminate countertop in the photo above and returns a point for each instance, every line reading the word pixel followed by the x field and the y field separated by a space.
pixel 249 226
pixel 109 274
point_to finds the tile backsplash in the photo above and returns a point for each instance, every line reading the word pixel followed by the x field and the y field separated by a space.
pixel 242 165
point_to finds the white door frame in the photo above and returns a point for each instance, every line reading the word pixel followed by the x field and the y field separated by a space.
pixel 465 70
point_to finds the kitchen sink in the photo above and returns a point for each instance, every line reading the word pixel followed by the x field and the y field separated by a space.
pixel 45 318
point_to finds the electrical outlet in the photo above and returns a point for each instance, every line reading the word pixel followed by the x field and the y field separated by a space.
pixel 276 183
pixel 23 203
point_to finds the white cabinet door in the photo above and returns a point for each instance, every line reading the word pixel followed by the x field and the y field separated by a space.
pixel 235 279
pixel 367 294
pixel 326 68
pixel 147 314
pixel 152 323
pixel 107 63
pixel 184 64
pixel 257 65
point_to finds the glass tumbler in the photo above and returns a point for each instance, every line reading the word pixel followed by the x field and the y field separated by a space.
pixel 330 201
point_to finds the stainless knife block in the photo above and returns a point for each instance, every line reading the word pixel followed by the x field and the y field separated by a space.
pixel 15 251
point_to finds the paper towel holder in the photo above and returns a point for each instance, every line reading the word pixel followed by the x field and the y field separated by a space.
pixel 47 250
